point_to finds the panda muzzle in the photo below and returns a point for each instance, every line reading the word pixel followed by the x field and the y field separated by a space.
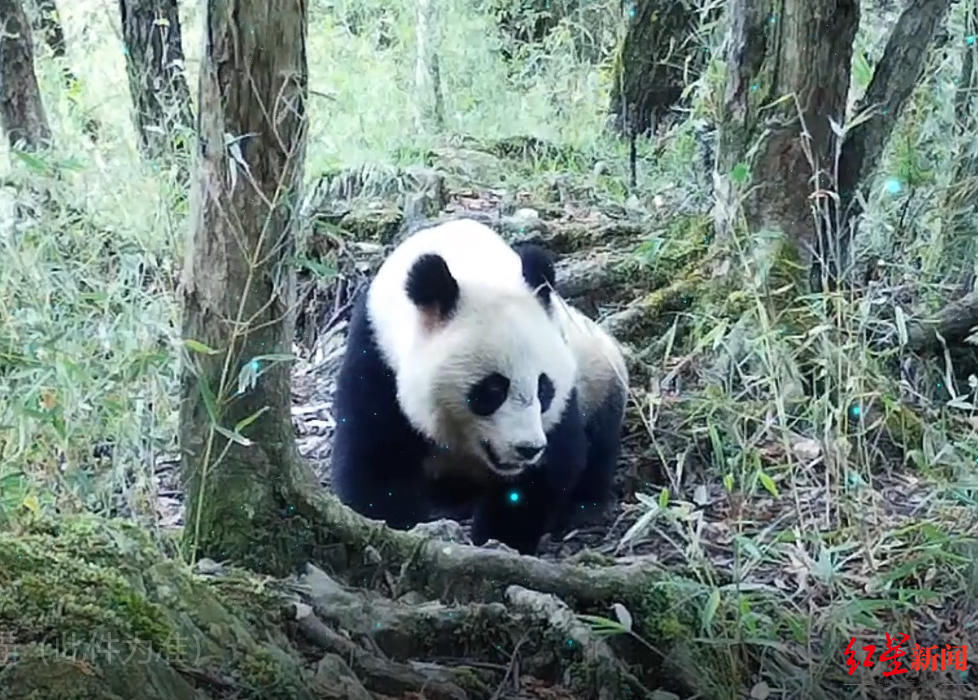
pixel 500 467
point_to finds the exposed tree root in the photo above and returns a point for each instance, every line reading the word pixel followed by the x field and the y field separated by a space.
pixel 89 605
pixel 611 679
pixel 472 631
pixel 377 674
pixel 478 579
pixel 460 571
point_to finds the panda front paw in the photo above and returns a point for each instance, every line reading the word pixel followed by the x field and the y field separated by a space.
pixel 443 529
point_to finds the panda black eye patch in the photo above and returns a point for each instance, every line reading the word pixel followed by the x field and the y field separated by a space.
pixel 488 394
pixel 545 391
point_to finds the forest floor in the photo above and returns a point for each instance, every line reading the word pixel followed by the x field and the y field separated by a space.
pixel 785 520
pixel 789 564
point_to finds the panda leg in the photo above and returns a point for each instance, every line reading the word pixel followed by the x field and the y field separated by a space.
pixel 376 468
pixel 377 457
pixel 518 513
pixel 399 501
pixel 593 490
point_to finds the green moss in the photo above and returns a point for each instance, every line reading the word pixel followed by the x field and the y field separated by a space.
pixel 47 590
pixel 265 673
pixel 98 589
pixel 685 242
pixel 662 616
pixel 374 221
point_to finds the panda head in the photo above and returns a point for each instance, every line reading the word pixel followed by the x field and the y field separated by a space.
pixel 490 372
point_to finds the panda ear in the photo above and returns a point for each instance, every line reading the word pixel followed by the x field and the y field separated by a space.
pixel 431 287
pixel 538 270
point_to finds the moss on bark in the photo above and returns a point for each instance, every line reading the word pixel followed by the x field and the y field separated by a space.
pixel 90 608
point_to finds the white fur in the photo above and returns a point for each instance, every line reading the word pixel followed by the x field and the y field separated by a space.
pixel 599 357
pixel 498 325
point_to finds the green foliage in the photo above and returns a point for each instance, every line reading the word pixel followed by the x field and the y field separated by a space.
pixel 790 520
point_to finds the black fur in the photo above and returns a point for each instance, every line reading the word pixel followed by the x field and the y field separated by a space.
pixel 603 432
pixel 430 284
pixel 377 455
pixel 377 459
pixel 538 270
pixel 544 492
pixel 488 394
pixel 377 462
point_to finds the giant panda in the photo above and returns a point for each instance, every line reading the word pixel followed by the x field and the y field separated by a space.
pixel 468 383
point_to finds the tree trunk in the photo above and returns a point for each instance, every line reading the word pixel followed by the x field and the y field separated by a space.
pixel 787 76
pixel 238 291
pixel 49 24
pixel 429 110
pixel 157 82
pixel 894 79
pixel 649 75
pixel 22 114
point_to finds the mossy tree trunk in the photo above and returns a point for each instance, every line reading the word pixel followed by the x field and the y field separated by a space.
pixel 239 286
pixel 157 81
pixel 22 113
pixel 48 22
pixel 788 76
pixel 649 75
pixel 788 67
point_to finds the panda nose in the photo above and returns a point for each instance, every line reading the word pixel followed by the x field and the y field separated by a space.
pixel 529 451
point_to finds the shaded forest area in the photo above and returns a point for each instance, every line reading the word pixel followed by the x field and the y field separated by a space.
pixel 771 205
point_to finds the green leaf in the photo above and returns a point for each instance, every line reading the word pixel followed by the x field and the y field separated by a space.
pixel 197 346
pixel 768 484
pixel 710 611
pixel 862 72
pixel 245 422
pixel 210 402
pixel 32 161
pixel 233 436
pixel 740 173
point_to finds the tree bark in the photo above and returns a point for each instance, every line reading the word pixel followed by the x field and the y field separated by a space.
pixel 893 82
pixel 787 75
pixel 157 82
pixel 239 288
pixel 649 75
pixel 22 113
